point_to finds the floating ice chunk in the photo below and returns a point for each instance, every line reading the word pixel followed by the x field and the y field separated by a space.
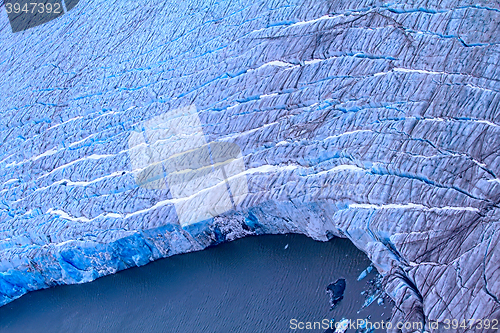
pixel 341 326
pixel 336 292
pixel 365 273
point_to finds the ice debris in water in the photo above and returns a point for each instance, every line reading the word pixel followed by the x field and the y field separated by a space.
pixel 365 273
pixel 336 291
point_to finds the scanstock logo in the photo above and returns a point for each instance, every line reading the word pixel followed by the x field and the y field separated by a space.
pixel 205 178
pixel 26 14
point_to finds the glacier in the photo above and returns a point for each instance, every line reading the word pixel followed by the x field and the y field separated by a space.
pixel 369 120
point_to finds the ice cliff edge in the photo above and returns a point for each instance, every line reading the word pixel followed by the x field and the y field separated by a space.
pixel 132 131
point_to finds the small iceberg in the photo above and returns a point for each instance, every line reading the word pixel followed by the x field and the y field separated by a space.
pixel 365 273
pixel 341 326
pixel 336 291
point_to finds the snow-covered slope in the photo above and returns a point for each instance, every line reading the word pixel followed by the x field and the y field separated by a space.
pixel 379 122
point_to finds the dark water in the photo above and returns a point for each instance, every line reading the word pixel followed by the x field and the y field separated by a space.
pixel 249 285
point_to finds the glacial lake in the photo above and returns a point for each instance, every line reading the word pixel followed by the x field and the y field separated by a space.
pixel 255 284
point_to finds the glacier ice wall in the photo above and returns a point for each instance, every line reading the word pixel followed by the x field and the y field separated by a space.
pixel 376 121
